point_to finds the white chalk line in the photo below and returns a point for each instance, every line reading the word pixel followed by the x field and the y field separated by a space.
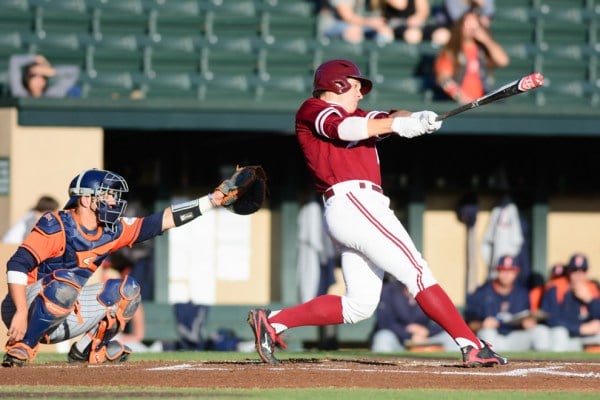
pixel 497 371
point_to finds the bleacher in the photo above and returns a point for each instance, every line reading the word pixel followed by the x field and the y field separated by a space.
pixel 202 50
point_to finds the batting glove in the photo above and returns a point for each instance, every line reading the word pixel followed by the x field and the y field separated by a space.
pixel 427 118
pixel 408 127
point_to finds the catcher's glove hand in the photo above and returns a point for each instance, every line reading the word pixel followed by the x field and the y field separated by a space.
pixel 245 191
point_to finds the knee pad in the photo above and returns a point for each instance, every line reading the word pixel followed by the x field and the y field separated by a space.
pixel 57 298
pixel 122 299
pixel 59 291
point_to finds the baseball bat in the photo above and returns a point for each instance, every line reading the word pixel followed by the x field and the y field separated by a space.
pixel 522 85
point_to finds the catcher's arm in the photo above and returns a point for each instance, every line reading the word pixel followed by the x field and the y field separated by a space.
pixel 243 193
pixel 179 214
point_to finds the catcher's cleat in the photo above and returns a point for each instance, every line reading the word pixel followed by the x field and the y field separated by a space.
pixel 484 357
pixel 18 355
pixel 75 355
pixel 266 337
pixel 114 351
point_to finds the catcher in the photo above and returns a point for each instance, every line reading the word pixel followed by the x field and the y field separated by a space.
pixel 48 300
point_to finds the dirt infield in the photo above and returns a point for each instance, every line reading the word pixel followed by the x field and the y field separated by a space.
pixel 403 373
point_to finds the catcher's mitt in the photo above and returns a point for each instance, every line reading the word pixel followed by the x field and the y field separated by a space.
pixel 245 191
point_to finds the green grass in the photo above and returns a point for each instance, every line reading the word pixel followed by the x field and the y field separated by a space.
pixel 54 392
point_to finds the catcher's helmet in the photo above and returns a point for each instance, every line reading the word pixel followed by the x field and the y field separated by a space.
pixel 97 182
pixel 333 76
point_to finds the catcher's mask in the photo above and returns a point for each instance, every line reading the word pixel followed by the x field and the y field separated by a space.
pixel 333 76
pixel 96 183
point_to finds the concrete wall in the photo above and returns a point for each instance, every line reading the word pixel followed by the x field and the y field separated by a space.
pixel 43 160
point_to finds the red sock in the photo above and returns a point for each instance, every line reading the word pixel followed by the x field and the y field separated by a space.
pixel 322 310
pixel 437 305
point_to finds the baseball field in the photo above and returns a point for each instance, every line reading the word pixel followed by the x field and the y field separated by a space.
pixel 313 375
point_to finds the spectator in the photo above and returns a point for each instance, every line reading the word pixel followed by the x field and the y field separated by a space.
pixel 408 19
pixel 451 10
pixel 350 21
pixel 32 75
pixel 464 65
pixel 573 306
pixel 535 294
pixel 22 227
pixel 402 325
pixel 499 312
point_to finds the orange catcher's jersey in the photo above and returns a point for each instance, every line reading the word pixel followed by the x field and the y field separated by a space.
pixel 330 159
pixel 58 241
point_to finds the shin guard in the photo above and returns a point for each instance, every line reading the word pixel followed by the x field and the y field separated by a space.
pixel 122 299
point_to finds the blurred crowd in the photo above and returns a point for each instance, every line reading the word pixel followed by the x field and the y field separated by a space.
pixel 468 52
pixel 557 315
pixel 459 29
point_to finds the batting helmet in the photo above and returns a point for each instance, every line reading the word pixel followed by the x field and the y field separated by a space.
pixel 333 76
pixel 96 183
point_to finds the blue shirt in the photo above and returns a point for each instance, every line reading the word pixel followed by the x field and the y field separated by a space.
pixel 485 302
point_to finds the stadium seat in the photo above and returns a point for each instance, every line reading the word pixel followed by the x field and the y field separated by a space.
pixel 167 85
pixel 338 49
pixel 175 59
pixel 107 84
pixel 112 59
pixel 228 55
pixel 16 16
pixel 397 91
pixel 559 64
pixel 287 19
pixel 294 56
pixel 64 41
pixel 10 43
pixel 183 17
pixel 509 32
pixel 394 60
pixel 518 13
pixel 58 48
pixel 570 92
pixel 118 17
pixel 231 19
pixel 60 17
pixel 283 88
pixel 224 87
pixel 517 69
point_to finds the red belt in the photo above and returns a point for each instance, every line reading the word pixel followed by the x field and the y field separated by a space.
pixel 329 193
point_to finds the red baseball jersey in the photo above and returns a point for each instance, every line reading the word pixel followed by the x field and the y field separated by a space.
pixel 330 159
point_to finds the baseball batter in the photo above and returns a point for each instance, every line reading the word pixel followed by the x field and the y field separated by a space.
pixel 48 300
pixel 339 143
